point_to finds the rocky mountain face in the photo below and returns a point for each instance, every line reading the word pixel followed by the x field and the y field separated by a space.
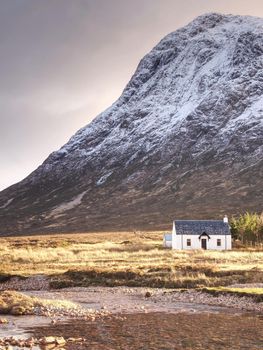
pixel 184 140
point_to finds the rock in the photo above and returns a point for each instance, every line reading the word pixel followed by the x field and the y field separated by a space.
pixel 148 294
pixel 71 340
pixel 3 321
pixel 15 342
pixel 76 340
pixel 47 340
pixel 60 341
pixel 18 310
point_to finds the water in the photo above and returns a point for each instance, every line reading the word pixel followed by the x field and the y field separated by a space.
pixel 139 323
pixel 163 331
pixel 17 325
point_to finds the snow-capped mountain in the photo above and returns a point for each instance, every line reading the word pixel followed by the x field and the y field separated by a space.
pixel 185 139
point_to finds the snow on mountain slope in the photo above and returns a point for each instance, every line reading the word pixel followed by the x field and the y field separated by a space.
pixel 184 139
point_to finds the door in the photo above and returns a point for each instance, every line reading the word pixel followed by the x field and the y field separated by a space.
pixel 203 243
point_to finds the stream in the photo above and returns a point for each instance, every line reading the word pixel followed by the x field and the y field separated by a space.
pixel 163 331
pixel 137 323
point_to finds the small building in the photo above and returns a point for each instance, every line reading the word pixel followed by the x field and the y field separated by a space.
pixel 167 240
pixel 200 234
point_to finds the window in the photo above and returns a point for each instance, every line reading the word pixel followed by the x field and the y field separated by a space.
pixel 219 242
pixel 188 242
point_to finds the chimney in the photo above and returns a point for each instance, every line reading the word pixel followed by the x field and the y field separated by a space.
pixel 225 219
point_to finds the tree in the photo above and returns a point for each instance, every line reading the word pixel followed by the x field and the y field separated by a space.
pixel 248 227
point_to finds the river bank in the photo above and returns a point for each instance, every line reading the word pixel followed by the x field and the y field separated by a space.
pixel 77 300
pixel 115 310
pixel 130 300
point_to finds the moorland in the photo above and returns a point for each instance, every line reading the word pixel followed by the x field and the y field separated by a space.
pixel 135 259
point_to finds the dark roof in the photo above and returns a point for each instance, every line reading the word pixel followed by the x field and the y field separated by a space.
pixel 197 227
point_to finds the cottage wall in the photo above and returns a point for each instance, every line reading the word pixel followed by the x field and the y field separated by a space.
pixel 167 243
pixel 167 240
pixel 180 242
pixel 175 243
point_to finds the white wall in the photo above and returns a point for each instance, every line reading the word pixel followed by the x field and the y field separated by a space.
pixel 167 244
pixel 174 238
pixel 179 242
pixel 167 240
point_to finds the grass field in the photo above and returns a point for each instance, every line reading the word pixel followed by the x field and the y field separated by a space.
pixel 132 259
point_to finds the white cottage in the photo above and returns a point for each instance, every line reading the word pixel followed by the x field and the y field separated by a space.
pixel 200 234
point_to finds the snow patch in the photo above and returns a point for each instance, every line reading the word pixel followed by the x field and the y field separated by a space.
pixel 7 203
pixel 68 205
pixel 103 179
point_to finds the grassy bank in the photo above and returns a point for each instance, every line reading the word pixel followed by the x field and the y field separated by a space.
pixel 16 304
pixel 132 259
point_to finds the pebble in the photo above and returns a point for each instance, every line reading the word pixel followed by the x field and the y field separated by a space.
pixel 57 342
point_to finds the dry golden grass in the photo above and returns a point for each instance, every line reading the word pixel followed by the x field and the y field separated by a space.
pixel 135 259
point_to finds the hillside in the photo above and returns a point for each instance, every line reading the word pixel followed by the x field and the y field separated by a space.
pixel 185 140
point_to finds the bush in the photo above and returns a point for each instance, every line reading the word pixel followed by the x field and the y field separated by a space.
pixel 248 228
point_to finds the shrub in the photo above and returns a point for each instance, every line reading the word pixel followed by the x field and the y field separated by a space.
pixel 248 228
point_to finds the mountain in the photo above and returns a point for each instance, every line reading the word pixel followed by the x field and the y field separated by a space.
pixel 185 140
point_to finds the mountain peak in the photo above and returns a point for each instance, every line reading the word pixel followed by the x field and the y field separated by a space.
pixel 211 19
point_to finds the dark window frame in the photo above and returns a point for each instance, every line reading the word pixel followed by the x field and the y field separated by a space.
pixel 219 242
pixel 188 242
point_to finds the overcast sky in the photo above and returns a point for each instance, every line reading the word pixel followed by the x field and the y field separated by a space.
pixel 64 61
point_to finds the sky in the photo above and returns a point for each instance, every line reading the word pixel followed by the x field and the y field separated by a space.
pixel 62 62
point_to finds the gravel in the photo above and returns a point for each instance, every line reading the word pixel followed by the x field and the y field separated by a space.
pixel 119 300
pixel 123 299
pixel 36 282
